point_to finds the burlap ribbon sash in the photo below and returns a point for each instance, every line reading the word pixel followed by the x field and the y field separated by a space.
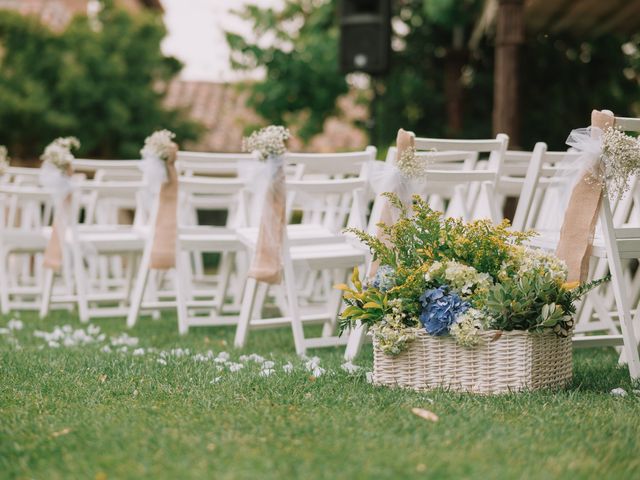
pixel 163 249
pixel 53 251
pixel 404 141
pixel 267 261
pixel 581 216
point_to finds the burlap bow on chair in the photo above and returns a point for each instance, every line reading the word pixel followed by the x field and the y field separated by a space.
pixel 53 251
pixel 404 141
pixel 163 249
pixel 267 261
pixel 581 216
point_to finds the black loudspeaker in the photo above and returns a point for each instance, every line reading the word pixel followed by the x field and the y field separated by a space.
pixel 365 35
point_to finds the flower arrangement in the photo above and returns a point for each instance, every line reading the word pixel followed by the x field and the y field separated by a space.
pixel 159 145
pixel 459 279
pixel 58 153
pixel 410 165
pixel 267 142
pixel 620 160
pixel 4 159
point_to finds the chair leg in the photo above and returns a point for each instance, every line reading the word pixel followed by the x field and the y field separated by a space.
pixel 79 279
pixel 246 312
pixel 226 264
pixel 4 283
pixel 356 340
pixel 334 303
pixel 630 347
pixel 294 311
pixel 139 288
pixel 45 302
pixel 182 292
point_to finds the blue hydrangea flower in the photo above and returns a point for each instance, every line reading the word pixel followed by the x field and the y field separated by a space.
pixel 440 310
pixel 384 279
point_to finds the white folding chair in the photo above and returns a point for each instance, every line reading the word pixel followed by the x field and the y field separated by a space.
pixel 24 215
pixel 312 246
pixel 198 301
pixel 99 297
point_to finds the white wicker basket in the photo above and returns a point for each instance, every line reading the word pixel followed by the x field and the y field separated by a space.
pixel 502 362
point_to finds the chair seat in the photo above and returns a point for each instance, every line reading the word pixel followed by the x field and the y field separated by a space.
pixel 324 255
pixel 298 234
pixel 209 239
pixel 629 247
pixel 106 240
pixel 17 240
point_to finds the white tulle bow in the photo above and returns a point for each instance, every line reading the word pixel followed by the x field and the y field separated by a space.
pixel 54 179
pixel 258 176
pixel 387 177
pixel 154 171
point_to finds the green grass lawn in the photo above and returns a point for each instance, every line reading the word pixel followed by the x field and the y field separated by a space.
pixel 79 412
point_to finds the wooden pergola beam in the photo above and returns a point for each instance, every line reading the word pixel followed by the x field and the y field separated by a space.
pixel 509 37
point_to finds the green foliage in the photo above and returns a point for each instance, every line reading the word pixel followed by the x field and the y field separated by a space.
pixel 534 301
pixel 303 81
pixel 562 77
pixel 364 305
pixel 427 236
pixel 530 301
pixel 103 83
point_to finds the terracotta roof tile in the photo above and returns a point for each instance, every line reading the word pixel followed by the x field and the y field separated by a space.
pixel 221 108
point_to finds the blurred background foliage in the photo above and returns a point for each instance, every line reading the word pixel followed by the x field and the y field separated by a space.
pixel 102 80
pixel 437 86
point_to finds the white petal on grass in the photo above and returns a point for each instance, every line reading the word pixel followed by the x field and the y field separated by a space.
pixel 256 358
pixel 350 368
pixel 266 372
pixel 161 361
pixel 106 349
pixel 138 352
pixel 268 365
pixel 288 367
pixel 619 392
pixel 53 344
pixel 215 380
pixel 369 377
pixel 15 324
pixel 234 367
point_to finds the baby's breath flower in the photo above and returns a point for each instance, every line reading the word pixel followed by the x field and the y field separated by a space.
pixel 58 153
pixel 158 144
pixel 620 161
pixel 268 141
pixel 409 164
pixel 4 160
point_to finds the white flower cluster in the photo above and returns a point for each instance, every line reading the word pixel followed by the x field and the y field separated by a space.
pixel 410 165
pixel 268 141
pixel 620 161
pixel 392 334
pixel 159 144
pixel 533 259
pixel 4 159
pixel 461 279
pixel 58 153
pixel 469 325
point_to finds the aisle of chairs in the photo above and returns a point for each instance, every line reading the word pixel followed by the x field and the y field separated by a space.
pixel 106 243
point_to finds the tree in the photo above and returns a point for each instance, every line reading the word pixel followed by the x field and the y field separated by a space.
pixel 437 86
pixel 102 82
pixel 298 45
